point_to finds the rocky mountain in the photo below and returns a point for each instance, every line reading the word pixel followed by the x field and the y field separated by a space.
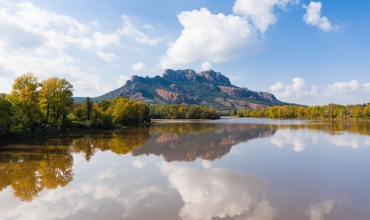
pixel 188 87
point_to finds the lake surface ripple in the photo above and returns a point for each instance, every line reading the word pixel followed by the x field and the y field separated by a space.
pixel 242 169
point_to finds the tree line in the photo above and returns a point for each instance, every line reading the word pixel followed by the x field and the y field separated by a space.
pixel 330 111
pixel 177 111
pixel 46 106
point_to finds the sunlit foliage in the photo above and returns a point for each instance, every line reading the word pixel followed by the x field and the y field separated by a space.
pixel 331 111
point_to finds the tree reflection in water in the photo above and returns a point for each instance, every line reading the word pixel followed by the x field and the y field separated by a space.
pixel 29 169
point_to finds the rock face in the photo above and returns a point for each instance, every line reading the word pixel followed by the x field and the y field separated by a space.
pixel 179 75
pixel 188 87
pixel 172 96
pixel 214 77
pixel 244 92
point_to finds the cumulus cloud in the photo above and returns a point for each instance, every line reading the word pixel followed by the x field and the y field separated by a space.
pixel 316 212
pixel 109 57
pixel 206 66
pixel 340 87
pixel 352 92
pixel 261 11
pixel 50 44
pixel 131 30
pixel 138 66
pixel 313 17
pixel 35 41
pixel 101 40
pixel 298 89
pixel 211 37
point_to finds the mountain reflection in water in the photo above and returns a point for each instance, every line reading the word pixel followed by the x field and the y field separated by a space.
pixel 217 188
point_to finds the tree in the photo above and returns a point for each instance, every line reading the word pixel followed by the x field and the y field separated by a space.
pixel 47 94
pixel 88 106
pixel 5 116
pixel 24 98
pixel 56 99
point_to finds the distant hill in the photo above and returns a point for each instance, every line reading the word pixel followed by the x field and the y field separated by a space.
pixel 188 87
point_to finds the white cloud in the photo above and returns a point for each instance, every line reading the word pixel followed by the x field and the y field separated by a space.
pixel 206 66
pixel 109 173
pixel 313 17
pixel 352 92
pixel 138 66
pixel 5 85
pixel 211 37
pixel 366 86
pixel 299 139
pixel 298 89
pixel 35 40
pixel 133 200
pixel 101 40
pixel 109 57
pixel 62 66
pixel 341 87
pixel 130 30
pixel 349 140
pixel 122 80
pixel 138 164
pixel 206 164
pixel 218 193
pixel 260 12
pixel 317 211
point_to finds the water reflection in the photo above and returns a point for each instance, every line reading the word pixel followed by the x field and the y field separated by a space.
pixel 119 143
pixel 209 142
pixel 316 212
pixel 28 173
pixel 218 193
pixel 301 138
pixel 88 175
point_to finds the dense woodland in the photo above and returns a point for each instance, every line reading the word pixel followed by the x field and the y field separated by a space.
pixel 331 111
pixel 47 106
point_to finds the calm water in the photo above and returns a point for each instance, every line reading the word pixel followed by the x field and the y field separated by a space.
pixel 242 169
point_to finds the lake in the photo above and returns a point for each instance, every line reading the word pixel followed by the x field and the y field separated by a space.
pixel 242 169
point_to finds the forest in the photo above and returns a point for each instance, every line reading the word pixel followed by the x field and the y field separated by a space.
pixel 34 107
pixel 330 111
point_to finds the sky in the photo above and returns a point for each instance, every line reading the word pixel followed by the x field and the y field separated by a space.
pixel 306 52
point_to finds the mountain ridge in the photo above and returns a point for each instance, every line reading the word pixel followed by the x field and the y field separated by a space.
pixel 208 88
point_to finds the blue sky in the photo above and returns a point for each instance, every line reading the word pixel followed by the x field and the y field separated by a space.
pixel 307 52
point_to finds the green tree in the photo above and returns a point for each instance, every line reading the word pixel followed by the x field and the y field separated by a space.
pixel 24 98
pixel 56 99
pixel 5 116
pixel 88 107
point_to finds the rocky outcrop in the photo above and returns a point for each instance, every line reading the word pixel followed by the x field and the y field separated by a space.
pixel 214 77
pixel 173 97
pixel 179 75
pixel 188 87
pixel 244 92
